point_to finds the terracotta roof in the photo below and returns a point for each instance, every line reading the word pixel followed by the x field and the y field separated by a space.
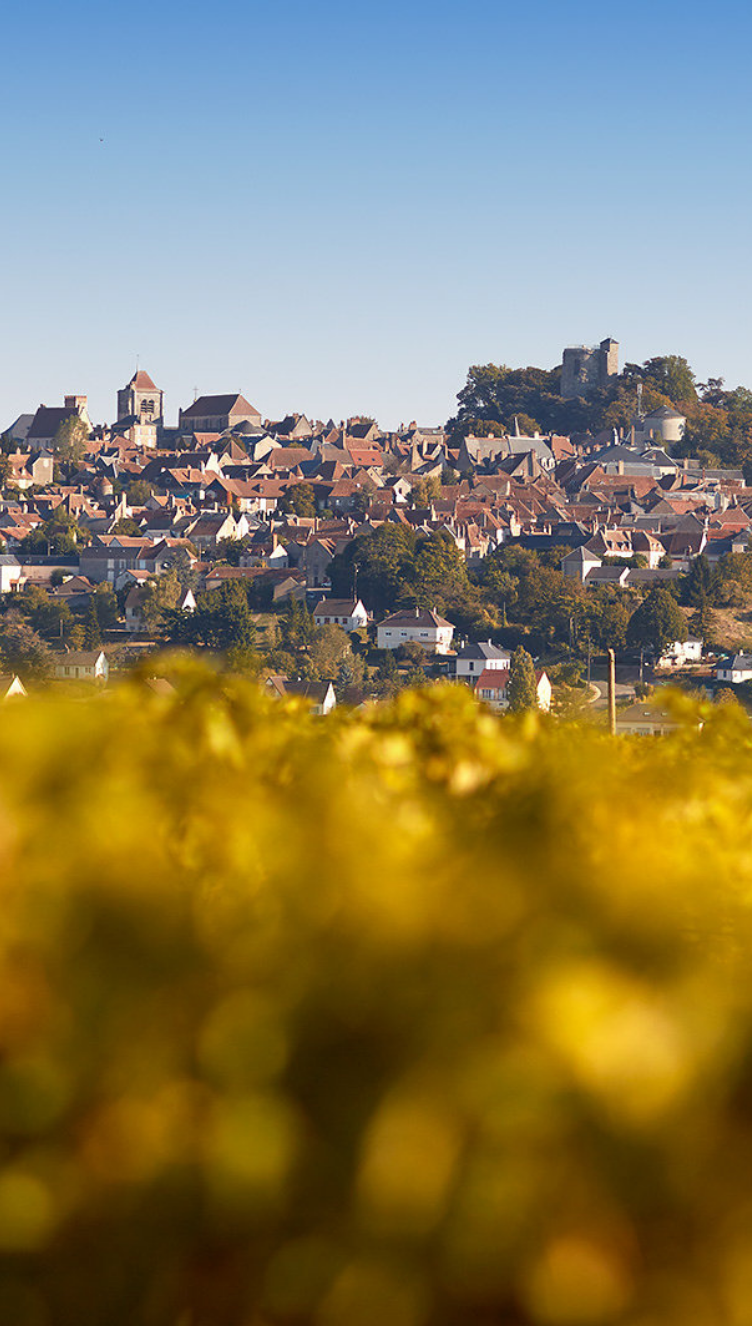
pixel 493 679
pixel 142 382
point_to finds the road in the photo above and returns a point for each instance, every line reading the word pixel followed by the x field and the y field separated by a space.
pixel 600 696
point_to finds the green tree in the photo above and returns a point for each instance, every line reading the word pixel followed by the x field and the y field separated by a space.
pixel 296 625
pixel 671 375
pixel 702 623
pixel 22 649
pixel 329 648
pixel 657 623
pixel 92 633
pixel 382 564
pixel 138 492
pixel 299 500
pixel 350 672
pixel 521 688
pixel 127 527
pixel 70 442
pixel 231 551
pixel 222 620
pixel 161 594
pixel 438 573
pixel 183 564
pixel 105 601
pixel 702 582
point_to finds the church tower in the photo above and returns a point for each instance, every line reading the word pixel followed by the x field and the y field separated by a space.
pixel 142 400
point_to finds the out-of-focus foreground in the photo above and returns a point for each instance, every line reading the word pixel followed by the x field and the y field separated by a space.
pixel 409 1018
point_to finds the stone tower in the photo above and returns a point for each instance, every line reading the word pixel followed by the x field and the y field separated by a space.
pixel 586 368
pixel 142 400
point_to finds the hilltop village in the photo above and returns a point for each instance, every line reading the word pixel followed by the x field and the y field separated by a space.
pixel 339 561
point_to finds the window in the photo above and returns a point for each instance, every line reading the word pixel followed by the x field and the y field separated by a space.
pixel 471 667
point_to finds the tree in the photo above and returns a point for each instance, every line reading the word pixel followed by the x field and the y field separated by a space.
pixel 300 500
pixel 425 491
pixel 671 375
pixel 521 689
pixel 92 633
pixel 127 527
pixel 231 550
pixel 105 601
pixel 438 572
pixel 702 582
pixel 329 647
pixel 702 622
pixel 382 563
pixel 70 442
pixel 161 594
pixel 22 650
pixel 657 623
pixel 184 567
pixel 49 617
pixel 59 536
pixel 296 625
pixel 222 620
pixel 138 492
pixel 350 672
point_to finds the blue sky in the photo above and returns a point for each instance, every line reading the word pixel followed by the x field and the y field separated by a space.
pixel 338 208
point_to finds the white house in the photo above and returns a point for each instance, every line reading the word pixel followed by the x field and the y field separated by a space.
pixel 10 572
pixel 579 563
pixel 84 665
pixel 681 652
pixel 422 626
pixel 319 694
pixel 474 659
pixel 736 669
pixel 347 613
pixel 491 688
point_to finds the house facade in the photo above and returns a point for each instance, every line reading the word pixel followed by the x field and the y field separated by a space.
pixel 474 659
pixel 421 626
pixel 492 688
pixel 735 669
pixel 350 614
pixel 83 665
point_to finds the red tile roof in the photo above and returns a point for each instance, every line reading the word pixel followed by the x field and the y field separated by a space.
pixel 142 382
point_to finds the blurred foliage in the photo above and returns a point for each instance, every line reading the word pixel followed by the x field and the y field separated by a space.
pixel 409 1017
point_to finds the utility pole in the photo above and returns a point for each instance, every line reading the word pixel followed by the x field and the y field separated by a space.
pixel 611 693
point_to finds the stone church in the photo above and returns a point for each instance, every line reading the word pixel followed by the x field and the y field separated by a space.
pixel 141 401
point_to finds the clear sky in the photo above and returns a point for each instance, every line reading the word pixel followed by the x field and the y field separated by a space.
pixel 337 208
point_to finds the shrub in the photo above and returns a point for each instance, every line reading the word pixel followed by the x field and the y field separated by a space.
pixel 420 1015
